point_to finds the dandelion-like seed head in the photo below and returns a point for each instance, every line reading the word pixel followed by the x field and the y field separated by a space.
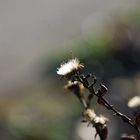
pixel 134 102
pixel 70 67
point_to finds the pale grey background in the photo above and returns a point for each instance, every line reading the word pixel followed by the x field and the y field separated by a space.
pixel 28 28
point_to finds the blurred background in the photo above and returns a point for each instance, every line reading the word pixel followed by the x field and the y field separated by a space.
pixel 36 36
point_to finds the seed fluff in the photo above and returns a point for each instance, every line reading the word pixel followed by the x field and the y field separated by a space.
pixel 69 67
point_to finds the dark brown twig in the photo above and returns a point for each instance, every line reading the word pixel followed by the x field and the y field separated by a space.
pixel 84 81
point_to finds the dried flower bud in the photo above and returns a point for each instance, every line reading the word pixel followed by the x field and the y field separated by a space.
pixel 74 86
pixel 99 122
pixel 128 137
pixel 101 127
pixel 102 131
pixel 101 119
pixel 89 115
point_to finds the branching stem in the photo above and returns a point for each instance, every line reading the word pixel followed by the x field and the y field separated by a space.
pixel 106 104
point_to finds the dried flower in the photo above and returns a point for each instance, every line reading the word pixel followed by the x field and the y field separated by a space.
pixel 74 86
pixel 69 67
pixel 134 102
pixel 101 119
pixel 128 137
pixel 89 115
pixel 99 122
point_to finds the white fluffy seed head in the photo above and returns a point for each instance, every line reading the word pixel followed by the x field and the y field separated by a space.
pixel 134 102
pixel 69 67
